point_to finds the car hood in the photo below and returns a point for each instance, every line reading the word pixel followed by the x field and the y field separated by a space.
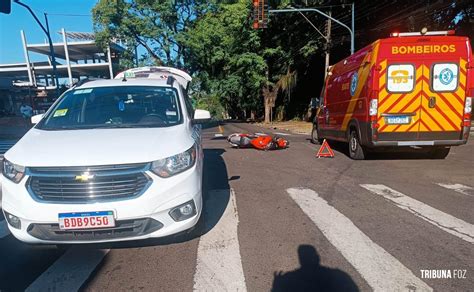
pixel 98 146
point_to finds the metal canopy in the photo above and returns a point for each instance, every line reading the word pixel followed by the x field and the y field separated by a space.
pixel 77 56
pixel 77 50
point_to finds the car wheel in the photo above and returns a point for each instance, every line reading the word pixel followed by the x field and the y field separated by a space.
pixel 356 151
pixel 439 153
pixel 315 135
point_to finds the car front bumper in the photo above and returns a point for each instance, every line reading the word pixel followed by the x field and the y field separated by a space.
pixel 149 211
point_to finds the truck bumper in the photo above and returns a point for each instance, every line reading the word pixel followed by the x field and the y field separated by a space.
pixel 419 143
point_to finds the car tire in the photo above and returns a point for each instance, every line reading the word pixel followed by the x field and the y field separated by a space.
pixel 356 150
pixel 439 153
pixel 315 135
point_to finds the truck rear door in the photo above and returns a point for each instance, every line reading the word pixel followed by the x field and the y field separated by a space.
pixel 399 101
pixel 443 98
pixel 422 89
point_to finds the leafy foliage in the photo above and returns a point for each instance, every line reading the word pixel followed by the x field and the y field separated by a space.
pixel 233 65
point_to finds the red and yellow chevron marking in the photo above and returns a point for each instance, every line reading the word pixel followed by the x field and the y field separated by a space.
pixel 363 74
pixel 445 116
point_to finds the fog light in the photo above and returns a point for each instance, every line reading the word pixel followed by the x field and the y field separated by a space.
pixel 183 211
pixel 14 221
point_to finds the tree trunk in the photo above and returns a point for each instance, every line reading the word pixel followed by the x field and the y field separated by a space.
pixel 269 96
pixel 267 109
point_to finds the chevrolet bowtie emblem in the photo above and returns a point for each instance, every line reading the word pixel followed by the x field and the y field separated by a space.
pixel 85 177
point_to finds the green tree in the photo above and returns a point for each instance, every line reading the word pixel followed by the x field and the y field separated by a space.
pixel 156 25
pixel 226 54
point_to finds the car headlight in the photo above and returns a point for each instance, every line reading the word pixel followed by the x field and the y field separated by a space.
pixel 13 171
pixel 175 164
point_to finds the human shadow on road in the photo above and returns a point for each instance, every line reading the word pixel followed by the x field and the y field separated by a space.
pixel 311 276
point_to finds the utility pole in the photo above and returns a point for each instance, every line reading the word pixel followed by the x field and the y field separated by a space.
pixel 352 27
pixel 328 44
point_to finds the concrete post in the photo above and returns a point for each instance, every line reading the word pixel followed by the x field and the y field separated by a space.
pixel 66 52
pixel 27 59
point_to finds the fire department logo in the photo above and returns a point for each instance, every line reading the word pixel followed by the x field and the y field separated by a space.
pixel 354 83
pixel 446 76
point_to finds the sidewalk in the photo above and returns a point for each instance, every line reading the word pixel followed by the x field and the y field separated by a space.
pixel 298 127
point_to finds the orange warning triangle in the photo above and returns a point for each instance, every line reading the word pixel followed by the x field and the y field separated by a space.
pixel 325 150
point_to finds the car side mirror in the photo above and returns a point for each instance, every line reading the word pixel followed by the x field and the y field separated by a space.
pixel 201 116
pixel 36 118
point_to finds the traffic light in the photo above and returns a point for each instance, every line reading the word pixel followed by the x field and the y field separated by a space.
pixel 260 14
pixel 5 6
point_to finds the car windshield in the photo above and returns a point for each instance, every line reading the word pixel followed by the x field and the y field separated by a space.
pixel 115 107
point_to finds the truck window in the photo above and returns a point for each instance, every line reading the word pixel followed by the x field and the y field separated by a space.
pixel 400 78
pixel 444 77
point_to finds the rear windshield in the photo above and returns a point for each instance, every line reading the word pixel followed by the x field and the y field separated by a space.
pixel 115 107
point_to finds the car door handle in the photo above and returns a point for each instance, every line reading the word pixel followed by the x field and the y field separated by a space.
pixel 432 102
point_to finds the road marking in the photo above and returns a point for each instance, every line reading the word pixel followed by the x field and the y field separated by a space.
pixel 4 231
pixel 434 216
pixel 260 134
pixel 70 271
pixel 219 265
pixel 282 134
pixel 218 135
pixel 462 189
pixel 381 270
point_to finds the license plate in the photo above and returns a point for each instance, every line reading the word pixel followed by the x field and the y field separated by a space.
pixel 397 120
pixel 86 220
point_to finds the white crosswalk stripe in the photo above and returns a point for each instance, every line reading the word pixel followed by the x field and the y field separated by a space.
pixel 4 229
pixel 459 188
pixel 381 270
pixel 434 216
pixel 219 265
pixel 70 271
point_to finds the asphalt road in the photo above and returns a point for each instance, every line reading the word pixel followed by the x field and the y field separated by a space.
pixel 287 221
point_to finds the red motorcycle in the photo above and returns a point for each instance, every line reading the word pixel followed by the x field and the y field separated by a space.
pixel 257 141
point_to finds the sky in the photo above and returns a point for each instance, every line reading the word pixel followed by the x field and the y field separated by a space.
pixel 11 48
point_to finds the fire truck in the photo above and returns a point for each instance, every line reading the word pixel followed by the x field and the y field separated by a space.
pixel 412 90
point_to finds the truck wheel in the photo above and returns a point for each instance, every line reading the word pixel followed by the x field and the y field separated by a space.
pixel 356 151
pixel 439 153
pixel 315 136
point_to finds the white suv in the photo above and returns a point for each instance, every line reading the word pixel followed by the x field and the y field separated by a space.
pixel 111 160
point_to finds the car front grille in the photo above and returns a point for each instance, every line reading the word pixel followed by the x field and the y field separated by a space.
pixel 88 184
pixel 122 229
